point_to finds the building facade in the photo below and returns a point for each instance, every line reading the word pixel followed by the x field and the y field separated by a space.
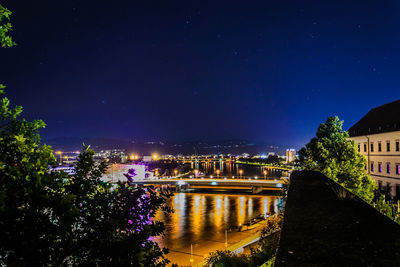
pixel 377 136
pixel 290 155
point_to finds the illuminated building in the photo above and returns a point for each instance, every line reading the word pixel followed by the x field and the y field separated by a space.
pixel 290 155
pixel 377 137
pixel 117 172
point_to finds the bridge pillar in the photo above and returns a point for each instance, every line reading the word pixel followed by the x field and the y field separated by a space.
pixel 257 189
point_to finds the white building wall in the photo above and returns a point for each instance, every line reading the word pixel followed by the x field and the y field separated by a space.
pixel 382 152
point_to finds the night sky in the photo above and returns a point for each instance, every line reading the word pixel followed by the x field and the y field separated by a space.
pixel 201 70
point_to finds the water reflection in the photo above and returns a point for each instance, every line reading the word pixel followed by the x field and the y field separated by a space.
pixel 229 169
pixel 200 216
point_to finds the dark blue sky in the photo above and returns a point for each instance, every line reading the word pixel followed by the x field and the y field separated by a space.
pixel 201 70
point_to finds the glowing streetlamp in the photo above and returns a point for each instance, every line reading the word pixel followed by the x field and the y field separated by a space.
pixel 218 171
pixel 196 172
pixel 132 157
pixel 176 172
pixel 226 239
pixel 191 254
pixel 60 153
pixel 265 174
pixel 155 157
pixel 240 174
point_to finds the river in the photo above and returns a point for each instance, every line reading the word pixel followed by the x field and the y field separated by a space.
pixel 203 222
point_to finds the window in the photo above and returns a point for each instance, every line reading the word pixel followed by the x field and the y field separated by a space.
pixel 379 147
pixel 397 146
pixel 372 166
pixel 379 167
pixel 365 147
pixel 372 147
pixel 388 187
pixel 380 185
pixel 388 167
pixel 397 190
pixel 358 147
pixel 397 168
pixel 388 146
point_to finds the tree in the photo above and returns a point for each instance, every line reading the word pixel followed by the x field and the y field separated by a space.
pixel 114 226
pixel 335 155
pixel 5 28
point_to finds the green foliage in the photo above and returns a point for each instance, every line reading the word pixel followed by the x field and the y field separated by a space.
pixel 386 208
pixel 336 156
pixel 33 200
pixel 113 227
pixel 264 252
pixel 5 28
pixel 221 258
pixel 49 220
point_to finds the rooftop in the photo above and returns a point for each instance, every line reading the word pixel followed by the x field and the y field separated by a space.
pixel 324 228
pixel 382 119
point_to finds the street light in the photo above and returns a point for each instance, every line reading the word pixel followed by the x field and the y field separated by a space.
pixel 240 174
pixel 218 171
pixel 196 172
pixel 265 174
pixel 155 157
pixel 226 239
pixel 191 254
pixel 60 153
pixel 176 172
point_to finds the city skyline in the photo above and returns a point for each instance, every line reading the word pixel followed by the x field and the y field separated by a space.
pixel 211 71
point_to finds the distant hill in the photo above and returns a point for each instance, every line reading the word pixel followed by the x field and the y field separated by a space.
pixel 162 147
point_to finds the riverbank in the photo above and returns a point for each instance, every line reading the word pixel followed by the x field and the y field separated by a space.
pixel 202 247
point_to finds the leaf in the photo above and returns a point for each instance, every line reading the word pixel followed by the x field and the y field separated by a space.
pixel 20 138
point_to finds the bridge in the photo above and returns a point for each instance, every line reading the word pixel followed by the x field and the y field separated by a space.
pixel 212 160
pixel 255 185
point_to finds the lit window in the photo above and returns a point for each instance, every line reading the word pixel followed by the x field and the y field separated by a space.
pixel 397 168
pixel 379 167
pixel 372 166
pixel 388 167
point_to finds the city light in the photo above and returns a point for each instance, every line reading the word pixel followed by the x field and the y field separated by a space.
pixel 155 156
pixel 60 153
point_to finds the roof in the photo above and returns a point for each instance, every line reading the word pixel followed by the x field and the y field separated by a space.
pixel 382 119
pixel 326 225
